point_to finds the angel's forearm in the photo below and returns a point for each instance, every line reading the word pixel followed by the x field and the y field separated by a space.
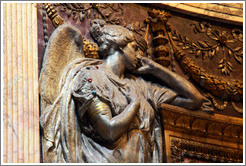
pixel 111 128
pixel 121 122
pixel 189 94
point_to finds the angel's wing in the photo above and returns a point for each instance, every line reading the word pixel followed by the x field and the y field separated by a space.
pixel 64 46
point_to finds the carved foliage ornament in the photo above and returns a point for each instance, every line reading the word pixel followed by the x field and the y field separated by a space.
pixel 206 49
pixel 75 10
pixel 105 11
pixel 227 90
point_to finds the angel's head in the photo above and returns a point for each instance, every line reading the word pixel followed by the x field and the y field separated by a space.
pixel 110 37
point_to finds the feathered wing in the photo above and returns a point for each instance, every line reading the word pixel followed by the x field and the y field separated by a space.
pixel 65 46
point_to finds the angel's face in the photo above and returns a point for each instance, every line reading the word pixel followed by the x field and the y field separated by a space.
pixel 96 28
pixel 130 54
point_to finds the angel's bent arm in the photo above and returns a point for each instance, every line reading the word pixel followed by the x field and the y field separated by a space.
pixel 110 128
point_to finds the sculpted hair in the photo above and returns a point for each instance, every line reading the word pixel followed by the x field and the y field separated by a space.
pixel 110 37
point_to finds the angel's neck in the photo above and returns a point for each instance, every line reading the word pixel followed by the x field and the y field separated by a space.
pixel 114 63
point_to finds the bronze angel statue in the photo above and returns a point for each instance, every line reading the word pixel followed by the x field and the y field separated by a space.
pixel 103 110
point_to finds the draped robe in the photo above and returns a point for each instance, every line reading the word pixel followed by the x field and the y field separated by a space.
pixel 68 134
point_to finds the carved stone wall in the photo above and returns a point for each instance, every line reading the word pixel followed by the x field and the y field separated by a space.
pixel 20 103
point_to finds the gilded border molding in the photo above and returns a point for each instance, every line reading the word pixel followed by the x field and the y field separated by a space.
pixel 202 151
pixel 202 124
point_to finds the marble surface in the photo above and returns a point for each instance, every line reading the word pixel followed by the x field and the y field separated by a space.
pixel 20 120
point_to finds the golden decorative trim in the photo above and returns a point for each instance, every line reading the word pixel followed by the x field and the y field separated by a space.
pixel 90 49
pixel 53 15
pixel 158 20
pixel 202 151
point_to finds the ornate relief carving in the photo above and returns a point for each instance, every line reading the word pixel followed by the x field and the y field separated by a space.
pixel 205 152
pixel 93 94
pixel 76 10
pixel 110 12
pixel 95 10
pixel 229 90
pixel 217 86
pixel 207 49
pixel 101 12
